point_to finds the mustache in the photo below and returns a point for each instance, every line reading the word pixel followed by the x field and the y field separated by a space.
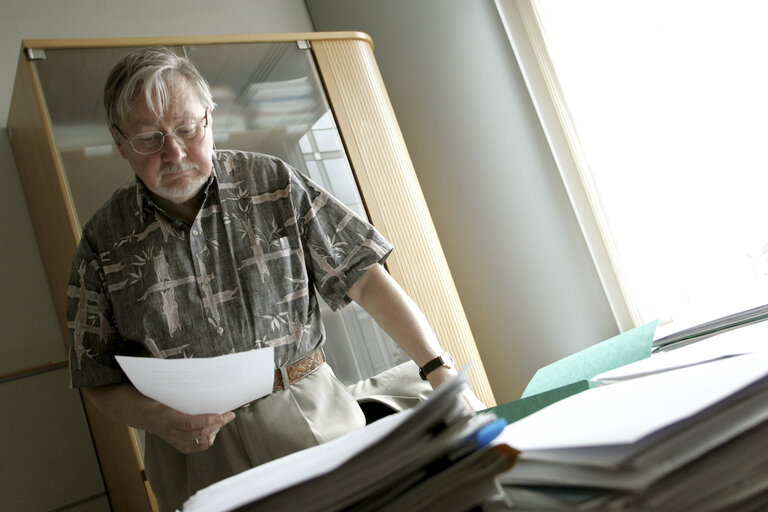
pixel 177 168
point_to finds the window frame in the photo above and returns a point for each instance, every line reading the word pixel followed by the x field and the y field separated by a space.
pixel 524 31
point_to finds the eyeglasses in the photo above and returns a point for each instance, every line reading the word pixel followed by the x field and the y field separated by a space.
pixel 151 142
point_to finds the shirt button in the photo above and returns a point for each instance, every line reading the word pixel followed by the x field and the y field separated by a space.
pixel 196 232
pixel 219 330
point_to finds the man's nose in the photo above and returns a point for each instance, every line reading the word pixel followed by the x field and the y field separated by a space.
pixel 173 150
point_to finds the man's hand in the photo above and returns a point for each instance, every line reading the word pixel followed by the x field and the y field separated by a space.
pixel 468 398
pixel 187 433
pixel 190 434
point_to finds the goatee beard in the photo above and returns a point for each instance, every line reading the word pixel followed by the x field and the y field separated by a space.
pixel 186 191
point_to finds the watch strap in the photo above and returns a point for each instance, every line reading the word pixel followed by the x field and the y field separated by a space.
pixel 443 359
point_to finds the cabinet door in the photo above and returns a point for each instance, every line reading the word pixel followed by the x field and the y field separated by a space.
pixel 269 100
pixel 48 460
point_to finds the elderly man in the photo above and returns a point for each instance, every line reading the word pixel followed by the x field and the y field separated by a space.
pixel 210 252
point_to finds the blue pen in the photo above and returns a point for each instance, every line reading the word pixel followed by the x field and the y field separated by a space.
pixel 487 433
pixel 477 439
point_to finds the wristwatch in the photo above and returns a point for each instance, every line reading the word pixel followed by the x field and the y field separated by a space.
pixel 443 359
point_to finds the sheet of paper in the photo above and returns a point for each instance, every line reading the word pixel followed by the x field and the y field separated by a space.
pixel 746 340
pixel 203 385
pixel 627 411
pixel 625 348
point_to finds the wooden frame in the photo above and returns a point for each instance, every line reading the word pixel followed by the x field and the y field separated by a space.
pixel 377 154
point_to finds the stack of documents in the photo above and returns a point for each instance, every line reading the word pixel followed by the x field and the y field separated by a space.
pixel 437 456
pixel 681 430
pixel 609 428
pixel 713 327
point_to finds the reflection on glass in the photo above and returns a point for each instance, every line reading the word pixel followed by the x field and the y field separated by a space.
pixel 327 163
pixel 268 99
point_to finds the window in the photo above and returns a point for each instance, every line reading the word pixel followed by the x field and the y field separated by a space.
pixel 655 111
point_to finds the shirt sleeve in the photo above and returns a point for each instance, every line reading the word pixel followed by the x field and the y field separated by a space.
pixel 339 245
pixel 93 339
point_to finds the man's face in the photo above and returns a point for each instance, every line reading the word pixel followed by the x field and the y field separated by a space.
pixel 178 171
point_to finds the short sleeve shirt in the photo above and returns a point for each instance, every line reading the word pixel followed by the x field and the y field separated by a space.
pixel 244 275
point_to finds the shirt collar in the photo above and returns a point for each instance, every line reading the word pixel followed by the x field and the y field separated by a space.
pixel 143 199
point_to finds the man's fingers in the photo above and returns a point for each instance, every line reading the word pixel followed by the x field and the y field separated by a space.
pixel 195 433
pixel 200 421
pixel 207 432
pixel 202 440
pixel 212 437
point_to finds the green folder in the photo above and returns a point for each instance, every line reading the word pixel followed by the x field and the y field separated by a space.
pixel 573 374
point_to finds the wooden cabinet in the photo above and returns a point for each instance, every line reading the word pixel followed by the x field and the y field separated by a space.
pixel 314 99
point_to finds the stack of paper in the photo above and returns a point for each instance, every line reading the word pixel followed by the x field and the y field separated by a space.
pixel 438 456
pixel 679 431
pixel 713 327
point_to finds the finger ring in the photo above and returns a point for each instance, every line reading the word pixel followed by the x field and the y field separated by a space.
pixel 197 442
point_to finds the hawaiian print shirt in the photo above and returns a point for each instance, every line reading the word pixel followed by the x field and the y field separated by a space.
pixel 242 276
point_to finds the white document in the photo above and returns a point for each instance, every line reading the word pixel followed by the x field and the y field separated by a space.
pixel 746 340
pixel 203 385
pixel 625 412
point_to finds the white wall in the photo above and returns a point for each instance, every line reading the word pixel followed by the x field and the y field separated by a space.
pixel 520 264
pixel 31 336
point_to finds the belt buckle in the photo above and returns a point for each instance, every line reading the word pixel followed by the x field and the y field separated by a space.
pixel 315 360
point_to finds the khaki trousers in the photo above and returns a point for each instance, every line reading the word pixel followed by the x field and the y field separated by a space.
pixel 315 409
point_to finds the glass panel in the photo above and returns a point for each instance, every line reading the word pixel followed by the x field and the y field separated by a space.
pixel 72 82
pixel 270 100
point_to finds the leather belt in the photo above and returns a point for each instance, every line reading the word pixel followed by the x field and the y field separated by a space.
pixel 296 371
pixel 300 369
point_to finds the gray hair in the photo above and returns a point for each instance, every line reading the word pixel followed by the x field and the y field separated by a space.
pixel 152 72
